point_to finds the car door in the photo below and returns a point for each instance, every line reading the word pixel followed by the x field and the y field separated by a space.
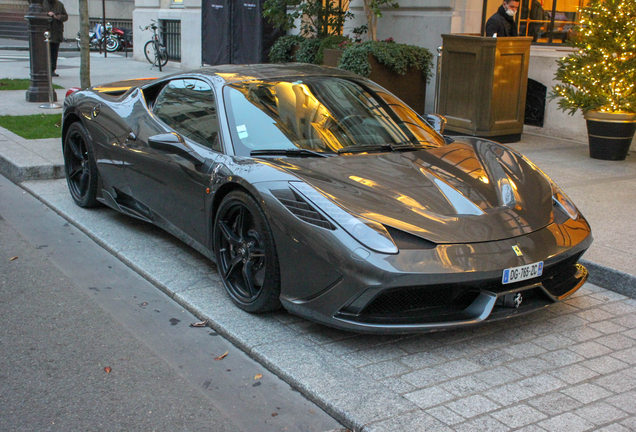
pixel 170 184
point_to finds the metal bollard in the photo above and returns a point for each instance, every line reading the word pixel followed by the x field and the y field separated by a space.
pixel 51 104
pixel 438 78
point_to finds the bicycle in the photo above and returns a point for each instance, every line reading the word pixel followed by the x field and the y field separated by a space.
pixel 154 50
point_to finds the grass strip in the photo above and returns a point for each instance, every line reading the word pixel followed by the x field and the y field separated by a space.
pixel 18 84
pixel 35 126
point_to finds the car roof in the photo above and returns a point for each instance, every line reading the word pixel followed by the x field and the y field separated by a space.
pixel 239 73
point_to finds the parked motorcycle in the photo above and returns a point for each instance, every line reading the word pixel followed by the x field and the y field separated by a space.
pixel 114 38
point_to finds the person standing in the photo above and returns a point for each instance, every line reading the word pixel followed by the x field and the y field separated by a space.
pixel 502 23
pixel 55 9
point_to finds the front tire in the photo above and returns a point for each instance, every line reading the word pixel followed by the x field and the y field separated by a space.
pixel 80 167
pixel 149 51
pixel 246 254
pixel 112 44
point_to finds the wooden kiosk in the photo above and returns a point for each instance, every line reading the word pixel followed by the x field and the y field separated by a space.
pixel 483 85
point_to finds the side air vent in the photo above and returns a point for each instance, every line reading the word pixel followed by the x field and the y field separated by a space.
pixel 405 241
pixel 301 209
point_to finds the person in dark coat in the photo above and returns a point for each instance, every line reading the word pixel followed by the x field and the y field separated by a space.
pixel 502 23
pixel 55 9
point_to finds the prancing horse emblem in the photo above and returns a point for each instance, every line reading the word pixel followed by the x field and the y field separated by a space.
pixel 518 299
pixel 517 250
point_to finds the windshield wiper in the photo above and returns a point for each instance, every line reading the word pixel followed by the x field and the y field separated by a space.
pixel 287 153
pixel 366 148
pixel 408 145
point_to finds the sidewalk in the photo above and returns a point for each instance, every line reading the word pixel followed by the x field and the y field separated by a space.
pixel 570 367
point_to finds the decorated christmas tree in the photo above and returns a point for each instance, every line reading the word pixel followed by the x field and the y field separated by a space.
pixel 601 76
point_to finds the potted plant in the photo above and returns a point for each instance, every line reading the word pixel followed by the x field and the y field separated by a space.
pixel 402 69
pixel 600 78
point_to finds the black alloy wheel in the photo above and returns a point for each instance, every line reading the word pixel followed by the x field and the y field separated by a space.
pixel 80 167
pixel 245 254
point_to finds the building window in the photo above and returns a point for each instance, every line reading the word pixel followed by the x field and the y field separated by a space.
pixel 171 34
pixel 546 21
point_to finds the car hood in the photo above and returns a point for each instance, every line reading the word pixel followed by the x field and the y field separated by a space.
pixel 464 192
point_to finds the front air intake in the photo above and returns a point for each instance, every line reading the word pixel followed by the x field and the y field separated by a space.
pixel 301 209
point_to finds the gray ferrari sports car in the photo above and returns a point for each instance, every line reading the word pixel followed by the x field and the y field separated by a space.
pixel 317 190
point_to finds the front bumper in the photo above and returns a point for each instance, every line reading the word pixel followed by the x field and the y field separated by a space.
pixel 451 286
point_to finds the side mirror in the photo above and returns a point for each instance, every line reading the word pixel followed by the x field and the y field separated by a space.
pixel 175 144
pixel 437 121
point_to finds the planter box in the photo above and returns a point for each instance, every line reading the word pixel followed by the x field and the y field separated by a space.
pixel 410 88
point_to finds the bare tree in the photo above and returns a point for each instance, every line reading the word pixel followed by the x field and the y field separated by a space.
pixel 373 11
pixel 85 60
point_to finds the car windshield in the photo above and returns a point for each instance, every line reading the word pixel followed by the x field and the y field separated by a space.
pixel 326 115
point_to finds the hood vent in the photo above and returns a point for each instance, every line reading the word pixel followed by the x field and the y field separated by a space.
pixel 301 209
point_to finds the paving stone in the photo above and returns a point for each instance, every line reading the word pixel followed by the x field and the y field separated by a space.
pixel 605 364
pixel 583 302
pixel 630 333
pixel 619 308
pixel 509 394
pixel 562 309
pixel 472 406
pixel 553 342
pixel 422 360
pixel 554 403
pixel 581 334
pixel 628 321
pixel 523 350
pixel 445 415
pixel 541 384
pixel 482 424
pixel 574 374
pixel 590 349
pixel 618 382
pixel 497 376
pixel 607 296
pixel 429 397
pixel 398 385
pixel 628 355
pixel 382 353
pixel 600 413
pixel 529 366
pixel 518 334
pixel 425 377
pixel 607 327
pixel 458 368
pixel 567 422
pixel 617 342
pixel 491 358
pixel 417 344
pixel 561 358
pixel 625 402
pixel 614 428
pixel 465 386
pixel 413 421
pixel 586 393
pixel 518 416
pixel 386 369
pixel 593 315
pixel 629 423
pixel 531 428
pixel 356 360
pixel 565 322
pixel 455 351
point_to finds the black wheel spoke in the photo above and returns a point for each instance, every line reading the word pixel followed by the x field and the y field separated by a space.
pixel 75 148
pixel 240 222
pixel 83 183
pixel 248 278
pixel 232 266
pixel 75 172
pixel 229 235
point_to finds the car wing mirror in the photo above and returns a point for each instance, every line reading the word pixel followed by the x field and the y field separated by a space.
pixel 175 144
pixel 437 121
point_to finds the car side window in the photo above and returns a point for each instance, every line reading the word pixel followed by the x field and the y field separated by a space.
pixel 188 106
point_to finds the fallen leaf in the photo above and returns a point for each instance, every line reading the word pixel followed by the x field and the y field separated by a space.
pixel 13 258
pixel 199 324
pixel 58 124
pixel 274 414
pixel 221 357
pixel 107 369
pixel 258 376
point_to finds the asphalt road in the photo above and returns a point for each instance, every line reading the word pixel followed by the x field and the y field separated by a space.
pixel 72 311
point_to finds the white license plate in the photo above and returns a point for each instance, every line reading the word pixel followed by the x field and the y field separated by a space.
pixel 517 274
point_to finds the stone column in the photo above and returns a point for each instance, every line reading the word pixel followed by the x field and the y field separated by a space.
pixel 38 23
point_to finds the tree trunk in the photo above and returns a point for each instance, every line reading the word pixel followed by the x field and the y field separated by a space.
pixel 85 51
pixel 371 20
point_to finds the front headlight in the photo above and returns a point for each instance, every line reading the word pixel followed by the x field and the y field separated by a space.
pixel 370 233
pixel 561 200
